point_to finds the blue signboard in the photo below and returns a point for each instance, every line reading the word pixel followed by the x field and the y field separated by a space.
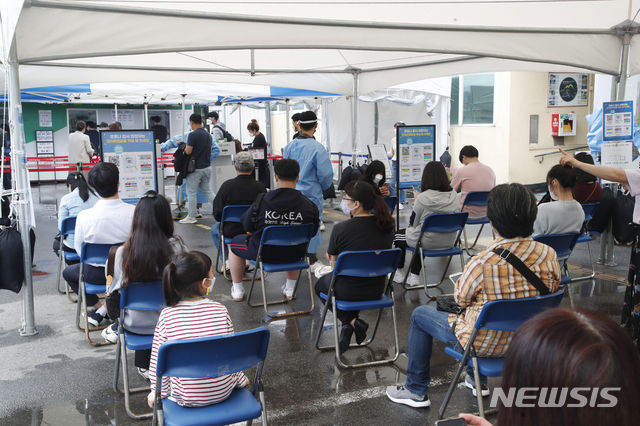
pixel 134 153
pixel 415 148
pixel 617 121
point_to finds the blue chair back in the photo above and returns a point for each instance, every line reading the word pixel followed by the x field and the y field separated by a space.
pixel 233 213
pixel 476 198
pixel 563 244
pixel 445 222
pixel 207 357
pixel 588 210
pixel 68 226
pixel 142 296
pixel 510 314
pixel 367 263
pixel 391 202
pixel 287 235
pixel 96 253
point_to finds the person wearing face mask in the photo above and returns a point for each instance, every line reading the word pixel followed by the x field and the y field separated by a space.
pixel 375 176
pixel 259 142
pixel 364 231
pixel 564 214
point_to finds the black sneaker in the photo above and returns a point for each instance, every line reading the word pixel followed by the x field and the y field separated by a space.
pixel 94 318
pixel 470 383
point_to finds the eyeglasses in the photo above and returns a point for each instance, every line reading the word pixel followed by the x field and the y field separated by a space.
pixel 349 200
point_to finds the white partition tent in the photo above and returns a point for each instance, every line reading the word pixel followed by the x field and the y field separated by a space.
pixel 340 47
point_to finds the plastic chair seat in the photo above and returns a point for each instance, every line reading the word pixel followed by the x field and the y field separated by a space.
pixel 283 267
pixel 137 342
pixel 477 220
pixel 384 302
pixel 583 238
pixel 71 256
pixel 491 367
pixel 453 251
pixel 94 288
pixel 240 406
pixel 564 280
pixel 228 240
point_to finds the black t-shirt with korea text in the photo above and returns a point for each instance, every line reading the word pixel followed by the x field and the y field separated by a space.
pixel 201 142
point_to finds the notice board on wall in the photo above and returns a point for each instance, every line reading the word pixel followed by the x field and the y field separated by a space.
pixel 134 153
pixel 415 148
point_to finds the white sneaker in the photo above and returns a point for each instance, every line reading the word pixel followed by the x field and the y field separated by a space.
pixel 413 279
pixel 237 296
pixel 401 206
pixel 110 334
pixel 316 266
pixel 249 267
pixel 399 276
pixel 287 292
pixel 189 220
pixel 322 227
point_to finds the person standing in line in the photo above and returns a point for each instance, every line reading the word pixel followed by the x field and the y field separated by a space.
pixel 295 118
pixel 474 176
pixel 80 150
pixel 402 199
pixel 217 127
pixel 159 131
pixel 259 142
pixel 199 145
pixel 94 136
pixel 316 172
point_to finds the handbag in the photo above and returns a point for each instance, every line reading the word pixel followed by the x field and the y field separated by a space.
pixel 447 303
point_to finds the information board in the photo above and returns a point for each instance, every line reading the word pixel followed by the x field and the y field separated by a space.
pixel 134 153
pixel 227 148
pixel 617 121
pixel 415 148
pixel 379 152
pixel 568 90
pixel 258 153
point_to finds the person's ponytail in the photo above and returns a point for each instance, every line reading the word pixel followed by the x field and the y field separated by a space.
pixel 384 220
pixel 83 188
pixel 171 296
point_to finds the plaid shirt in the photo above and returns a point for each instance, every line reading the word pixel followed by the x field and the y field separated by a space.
pixel 488 277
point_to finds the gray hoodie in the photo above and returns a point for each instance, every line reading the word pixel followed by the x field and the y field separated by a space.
pixel 216 133
pixel 427 203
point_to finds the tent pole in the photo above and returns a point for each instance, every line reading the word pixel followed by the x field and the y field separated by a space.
pixel 146 115
pixel 224 113
pixel 354 109
pixel 116 111
pixel 286 102
pixel 325 118
pixel 21 197
pixel 626 41
pixel 239 120
pixel 267 125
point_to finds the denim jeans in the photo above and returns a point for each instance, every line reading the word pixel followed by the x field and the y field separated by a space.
pixel 392 185
pixel 427 323
pixel 200 178
pixel 215 234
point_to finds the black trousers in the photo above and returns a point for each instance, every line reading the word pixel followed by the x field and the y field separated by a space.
pixel 348 293
pixel 92 275
pixel 400 241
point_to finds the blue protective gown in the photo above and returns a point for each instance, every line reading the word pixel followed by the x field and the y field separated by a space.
pixel 316 173
pixel 175 141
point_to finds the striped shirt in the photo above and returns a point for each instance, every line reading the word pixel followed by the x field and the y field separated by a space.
pixel 188 320
pixel 488 277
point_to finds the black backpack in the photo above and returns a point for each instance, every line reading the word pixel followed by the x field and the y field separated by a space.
pixel 183 163
pixel 226 135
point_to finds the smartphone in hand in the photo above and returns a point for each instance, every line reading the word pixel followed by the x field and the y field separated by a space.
pixel 452 422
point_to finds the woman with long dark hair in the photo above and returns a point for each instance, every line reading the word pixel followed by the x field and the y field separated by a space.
pixel 80 197
pixel 563 214
pixel 587 188
pixel 143 258
pixel 570 353
pixel 436 196
pixel 375 175
pixel 364 231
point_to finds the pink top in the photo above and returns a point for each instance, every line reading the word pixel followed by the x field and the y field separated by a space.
pixel 473 177
pixel 188 320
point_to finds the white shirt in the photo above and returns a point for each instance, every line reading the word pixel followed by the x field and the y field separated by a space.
pixel 108 222
pixel 633 177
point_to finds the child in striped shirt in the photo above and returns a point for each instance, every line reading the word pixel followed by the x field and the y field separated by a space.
pixel 190 314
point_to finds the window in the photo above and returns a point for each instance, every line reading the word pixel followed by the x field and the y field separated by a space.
pixel 76 115
pixel 476 92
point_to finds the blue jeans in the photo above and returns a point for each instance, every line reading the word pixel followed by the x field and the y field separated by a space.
pixel 392 185
pixel 215 234
pixel 427 323
pixel 200 178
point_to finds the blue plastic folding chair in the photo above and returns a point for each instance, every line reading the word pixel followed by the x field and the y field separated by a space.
pixel 391 202
pixel 140 297
pixel 500 315
pixel 229 214
pixel 563 244
pixel 364 264
pixel 586 238
pixel 283 236
pixel 208 357
pixel 67 227
pixel 475 198
pixel 91 253
pixel 438 223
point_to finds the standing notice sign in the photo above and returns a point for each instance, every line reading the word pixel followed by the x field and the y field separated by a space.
pixel 415 148
pixel 617 121
pixel 379 153
pixel 134 153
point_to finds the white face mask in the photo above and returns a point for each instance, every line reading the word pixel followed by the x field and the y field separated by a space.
pixel 377 179
pixel 210 288
pixel 554 197
pixel 344 205
pixel 209 122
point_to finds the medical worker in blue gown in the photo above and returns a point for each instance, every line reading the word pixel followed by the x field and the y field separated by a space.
pixel 316 172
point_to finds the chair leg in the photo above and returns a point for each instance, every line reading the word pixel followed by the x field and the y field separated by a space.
pixel 321 328
pixel 69 294
pixel 60 262
pixel 444 275
pixel 127 390
pixel 569 287
pixel 476 377
pixel 454 382
pixel 82 308
pixel 466 245
pixel 593 268
pixel 116 373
